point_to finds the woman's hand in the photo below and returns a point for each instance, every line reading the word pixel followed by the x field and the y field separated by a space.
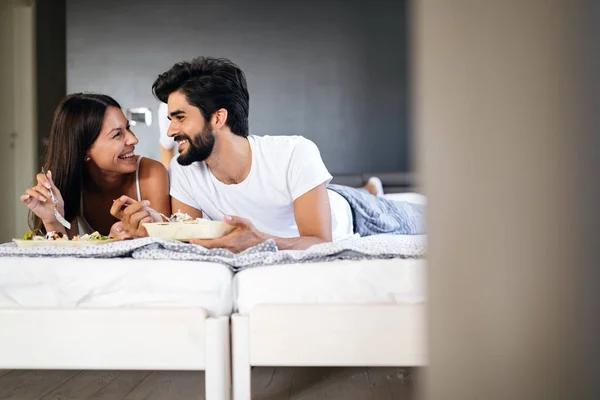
pixel 39 200
pixel 117 232
pixel 132 214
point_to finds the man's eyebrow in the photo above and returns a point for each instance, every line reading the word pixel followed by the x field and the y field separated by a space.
pixel 175 113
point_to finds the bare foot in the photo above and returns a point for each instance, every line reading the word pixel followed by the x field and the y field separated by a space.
pixel 371 188
pixel 374 186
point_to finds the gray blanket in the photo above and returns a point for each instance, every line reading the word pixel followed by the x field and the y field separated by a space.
pixel 379 246
pixel 377 215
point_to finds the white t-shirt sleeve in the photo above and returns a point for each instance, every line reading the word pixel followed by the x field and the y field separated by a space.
pixel 181 187
pixel 163 126
pixel 306 169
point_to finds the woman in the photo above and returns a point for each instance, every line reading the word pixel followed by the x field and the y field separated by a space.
pixel 90 161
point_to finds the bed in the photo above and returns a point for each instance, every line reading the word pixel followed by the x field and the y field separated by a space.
pixel 68 313
pixel 124 313
pixel 341 313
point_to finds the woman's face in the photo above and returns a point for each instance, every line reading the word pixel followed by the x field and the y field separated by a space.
pixel 113 150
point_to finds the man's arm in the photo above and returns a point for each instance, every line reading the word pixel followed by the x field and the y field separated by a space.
pixel 313 217
pixel 179 206
pixel 312 212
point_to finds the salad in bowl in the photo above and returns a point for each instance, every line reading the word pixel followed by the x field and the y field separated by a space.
pixel 39 239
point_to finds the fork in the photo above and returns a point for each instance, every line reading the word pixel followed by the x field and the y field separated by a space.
pixel 59 217
pixel 151 209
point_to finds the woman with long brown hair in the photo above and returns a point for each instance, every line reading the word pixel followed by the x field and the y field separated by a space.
pixel 90 161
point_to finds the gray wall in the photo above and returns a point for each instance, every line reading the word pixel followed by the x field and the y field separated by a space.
pixel 334 71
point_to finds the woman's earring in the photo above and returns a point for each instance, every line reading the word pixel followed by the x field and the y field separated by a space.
pixel 87 158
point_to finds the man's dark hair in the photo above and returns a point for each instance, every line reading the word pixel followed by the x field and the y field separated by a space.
pixel 209 84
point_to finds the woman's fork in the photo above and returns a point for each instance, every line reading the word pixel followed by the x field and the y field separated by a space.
pixel 59 217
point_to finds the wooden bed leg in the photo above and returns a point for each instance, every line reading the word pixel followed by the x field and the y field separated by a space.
pixel 240 339
pixel 218 359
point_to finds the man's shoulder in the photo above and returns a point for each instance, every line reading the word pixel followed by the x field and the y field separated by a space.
pixel 281 143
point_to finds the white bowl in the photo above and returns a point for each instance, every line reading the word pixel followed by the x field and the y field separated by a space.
pixel 184 231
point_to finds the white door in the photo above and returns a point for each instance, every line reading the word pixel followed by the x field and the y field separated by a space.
pixel 17 114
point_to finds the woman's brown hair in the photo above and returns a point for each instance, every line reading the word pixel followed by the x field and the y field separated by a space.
pixel 76 126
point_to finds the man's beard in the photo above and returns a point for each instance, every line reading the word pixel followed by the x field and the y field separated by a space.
pixel 198 148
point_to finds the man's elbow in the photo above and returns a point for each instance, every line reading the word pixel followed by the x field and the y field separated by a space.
pixel 325 237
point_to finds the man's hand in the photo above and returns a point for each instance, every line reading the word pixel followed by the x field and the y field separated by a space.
pixel 133 216
pixel 244 236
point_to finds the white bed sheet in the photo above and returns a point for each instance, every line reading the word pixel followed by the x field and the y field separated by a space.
pixel 118 282
pixel 385 281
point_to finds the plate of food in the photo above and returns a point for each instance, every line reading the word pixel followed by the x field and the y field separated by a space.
pixel 183 227
pixel 57 239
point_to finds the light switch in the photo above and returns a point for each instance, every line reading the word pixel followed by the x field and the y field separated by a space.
pixel 139 115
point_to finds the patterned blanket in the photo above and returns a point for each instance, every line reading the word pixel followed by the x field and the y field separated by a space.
pixel 378 246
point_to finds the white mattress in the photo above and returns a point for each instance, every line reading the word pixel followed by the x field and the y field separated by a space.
pixel 387 281
pixel 117 282
pixel 409 197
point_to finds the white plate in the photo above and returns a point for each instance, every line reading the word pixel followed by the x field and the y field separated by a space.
pixel 198 229
pixel 61 243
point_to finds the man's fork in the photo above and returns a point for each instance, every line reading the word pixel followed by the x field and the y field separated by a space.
pixel 150 210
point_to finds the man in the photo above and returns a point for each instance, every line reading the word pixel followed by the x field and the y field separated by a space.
pixel 267 187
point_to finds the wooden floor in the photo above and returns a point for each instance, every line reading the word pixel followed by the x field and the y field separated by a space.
pixel 267 383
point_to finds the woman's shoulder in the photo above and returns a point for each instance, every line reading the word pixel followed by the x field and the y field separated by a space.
pixel 151 170
pixel 154 184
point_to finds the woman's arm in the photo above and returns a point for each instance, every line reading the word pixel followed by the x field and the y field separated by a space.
pixel 39 200
pixel 154 185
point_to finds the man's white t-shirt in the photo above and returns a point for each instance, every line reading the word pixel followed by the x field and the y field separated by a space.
pixel 283 169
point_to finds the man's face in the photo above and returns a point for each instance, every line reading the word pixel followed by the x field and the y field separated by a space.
pixel 189 128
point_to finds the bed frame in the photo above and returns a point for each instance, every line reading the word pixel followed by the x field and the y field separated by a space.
pixel 140 339
pixel 326 335
pixel 186 339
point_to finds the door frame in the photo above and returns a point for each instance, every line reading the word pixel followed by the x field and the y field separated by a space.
pixel 18 136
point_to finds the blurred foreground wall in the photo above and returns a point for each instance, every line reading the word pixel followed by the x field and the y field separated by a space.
pixel 507 130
